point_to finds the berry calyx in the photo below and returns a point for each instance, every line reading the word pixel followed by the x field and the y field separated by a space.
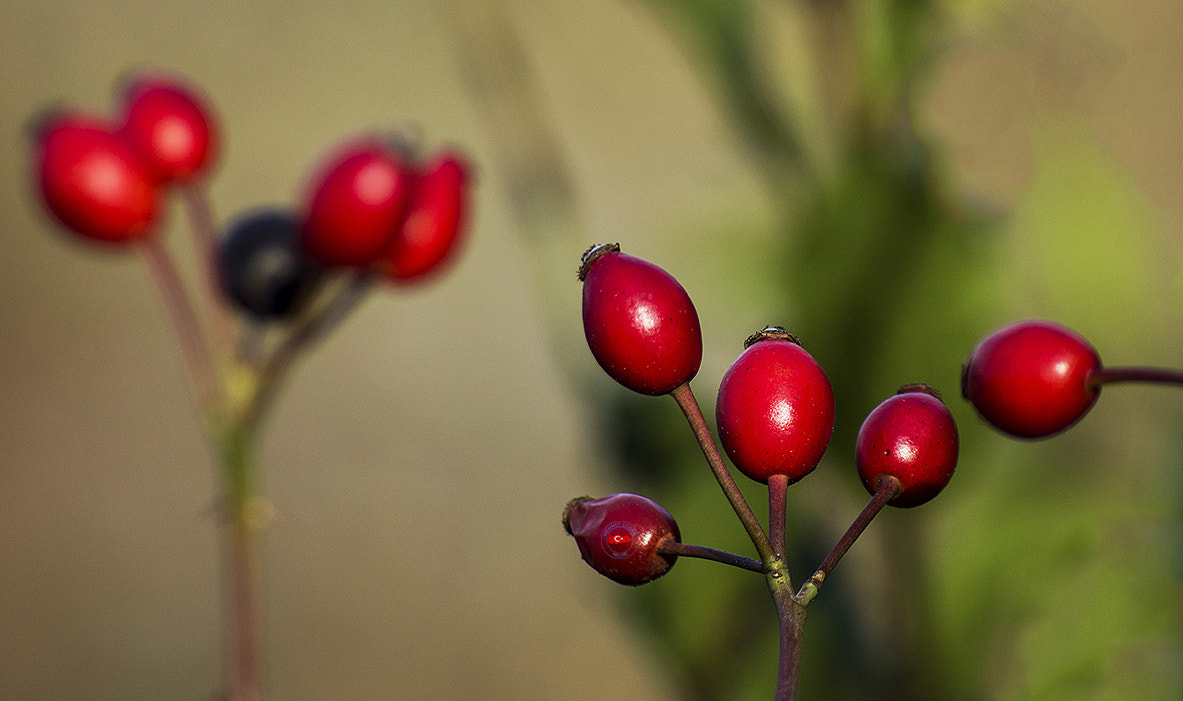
pixel 775 409
pixel 264 270
pixel 356 203
pixel 640 324
pixel 435 221
pixel 619 536
pixel 92 181
pixel 910 436
pixel 1032 379
pixel 170 125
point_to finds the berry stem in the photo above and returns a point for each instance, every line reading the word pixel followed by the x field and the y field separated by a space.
pixel 778 494
pixel 673 547
pixel 243 521
pixel 1136 374
pixel 198 361
pixel 889 487
pixel 312 328
pixel 203 228
pixel 684 396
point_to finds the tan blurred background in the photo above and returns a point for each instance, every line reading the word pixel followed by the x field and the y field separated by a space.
pixel 419 458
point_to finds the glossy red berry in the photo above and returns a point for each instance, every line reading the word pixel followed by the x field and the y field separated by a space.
pixel 92 181
pixel 640 324
pixel 775 410
pixel 356 202
pixel 171 126
pixel 911 436
pixel 264 269
pixel 1032 379
pixel 435 221
pixel 619 536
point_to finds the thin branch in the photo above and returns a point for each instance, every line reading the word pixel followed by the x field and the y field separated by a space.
pixel 673 547
pixel 706 440
pixel 887 490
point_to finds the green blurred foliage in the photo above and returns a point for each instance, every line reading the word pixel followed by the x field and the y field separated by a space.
pixel 1047 570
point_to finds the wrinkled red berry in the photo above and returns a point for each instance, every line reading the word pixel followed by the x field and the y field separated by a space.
pixel 911 436
pixel 356 203
pixel 775 409
pixel 640 324
pixel 619 536
pixel 92 181
pixel 171 126
pixel 435 220
pixel 1032 379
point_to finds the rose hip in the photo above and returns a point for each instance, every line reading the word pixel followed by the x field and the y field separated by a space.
pixel 1032 379
pixel 619 536
pixel 911 436
pixel 640 324
pixel 775 409
pixel 92 181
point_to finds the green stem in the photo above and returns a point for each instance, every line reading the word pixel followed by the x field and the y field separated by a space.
pixel 243 521
pixel 683 395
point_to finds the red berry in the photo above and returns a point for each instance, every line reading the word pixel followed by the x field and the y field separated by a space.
pixel 1032 379
pixel 356 203
pixel 170 125
pixel 911 436
pixel 775 409
pixel 619 536
pixel 640 324
pixel 92 181
pixel 435 221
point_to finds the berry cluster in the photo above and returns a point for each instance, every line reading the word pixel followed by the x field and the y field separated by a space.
pixel 775 417
pixel 372 211
pixel 371 207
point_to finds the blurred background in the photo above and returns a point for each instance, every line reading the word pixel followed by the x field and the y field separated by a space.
pixel 889 179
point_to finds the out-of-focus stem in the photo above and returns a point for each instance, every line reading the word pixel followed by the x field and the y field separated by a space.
pixel 309 331
pixel 195 352
pixel 204 234
pixel 1137 374
pixel 243 522
pixel 706 440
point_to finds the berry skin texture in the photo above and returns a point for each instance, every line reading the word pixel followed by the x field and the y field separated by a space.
pixel 356 203
pixel 435 222
pixel 92 181
pixel 911 436
pixel 264 270
pixel 640 324
pixel 619 535
pixel 171 126
pixel 1032 379
pixel 775 409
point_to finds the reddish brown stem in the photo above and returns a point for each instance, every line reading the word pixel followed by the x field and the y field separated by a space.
pixel 778 488
pixel 199 363
pixel 888 488
pixel 702 552
pixel 242 625
pixel 1137 374
pixel 683 395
